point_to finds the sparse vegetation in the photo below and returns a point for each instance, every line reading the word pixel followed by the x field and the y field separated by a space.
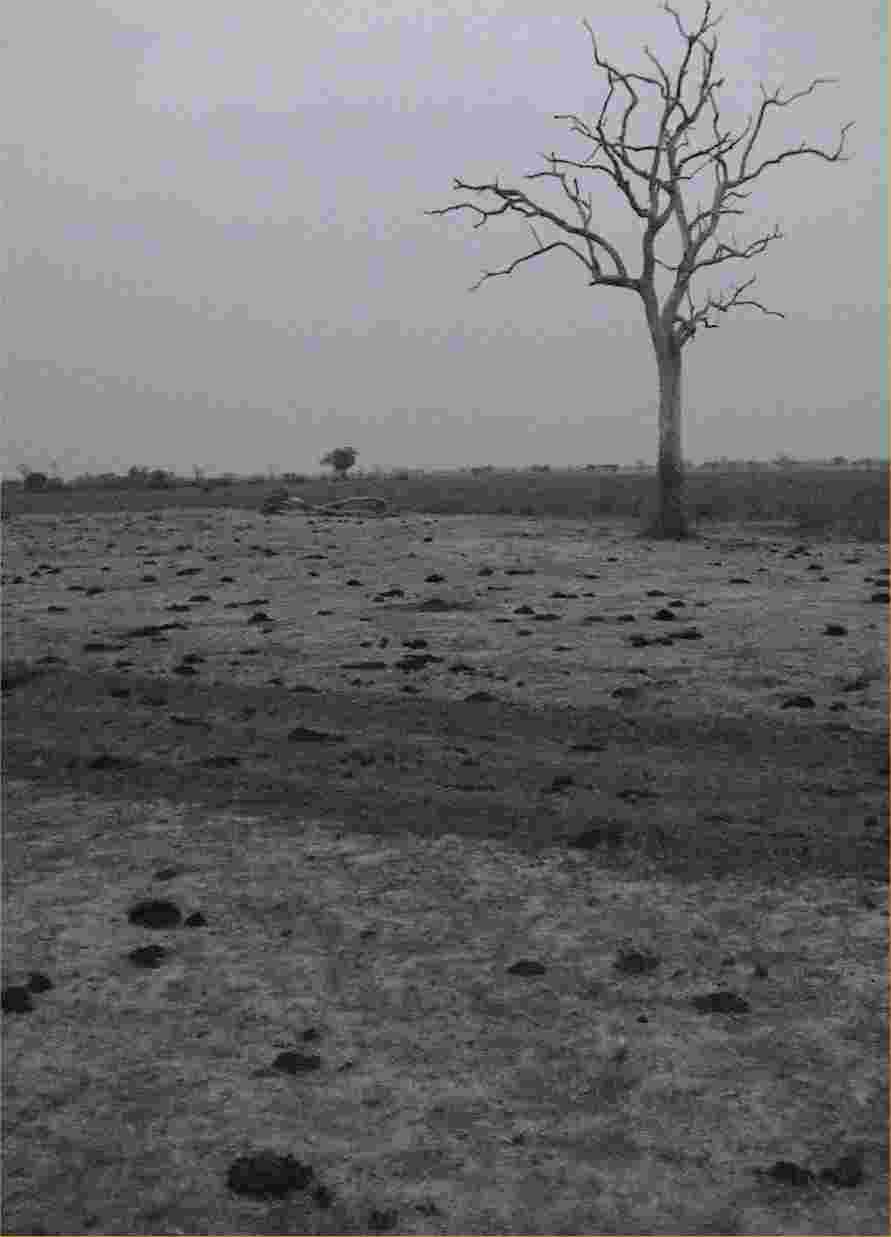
pixel 847 502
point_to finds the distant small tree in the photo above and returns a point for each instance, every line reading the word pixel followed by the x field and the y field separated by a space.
pixel 341 459
pixel 35 480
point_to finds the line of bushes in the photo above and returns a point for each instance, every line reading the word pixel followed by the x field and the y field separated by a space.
pixel 843 502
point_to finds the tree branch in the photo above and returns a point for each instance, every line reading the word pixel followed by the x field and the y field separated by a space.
pixel 514 200
pixel 653 175
pixel 688 324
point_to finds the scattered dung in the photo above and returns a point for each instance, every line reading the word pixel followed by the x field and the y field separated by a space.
pixel 526 968
pixel 382 1220
pixel 19 675
pixel 155 913
pixel 787 1172
pixel 294 1062
pixel 109 761
pixel 416 661
pixel 268 1175
pixel 322 1197
pixel 609 833
pixel 16 999
pixel 636 961
pixel 799 701
pixel 721 1002
pixel 440 605
pixel 306 734
pixel 149 957
pixel 847 1172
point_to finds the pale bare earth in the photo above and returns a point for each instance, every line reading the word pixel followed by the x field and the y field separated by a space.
pixel 368 883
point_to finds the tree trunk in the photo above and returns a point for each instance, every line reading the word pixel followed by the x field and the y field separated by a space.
pixel 670 522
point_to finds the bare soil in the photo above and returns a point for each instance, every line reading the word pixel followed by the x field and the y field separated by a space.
pixel 568 915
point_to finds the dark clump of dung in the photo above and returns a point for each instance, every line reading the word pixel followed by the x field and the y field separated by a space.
pixel 527 967
pixel 149 957
pixel 721 1002
pixel 16 999
pixel 636 961
pixel 267 1175
pixel 155 913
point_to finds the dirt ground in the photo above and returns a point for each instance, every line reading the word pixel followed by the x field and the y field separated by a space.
pixel 512 875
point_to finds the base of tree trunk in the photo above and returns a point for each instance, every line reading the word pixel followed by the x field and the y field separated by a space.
pixel 660 529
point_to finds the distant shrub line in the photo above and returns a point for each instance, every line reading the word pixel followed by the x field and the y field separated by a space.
pixel 849 502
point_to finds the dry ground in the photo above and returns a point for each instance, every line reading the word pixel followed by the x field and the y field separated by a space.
pixel 370 798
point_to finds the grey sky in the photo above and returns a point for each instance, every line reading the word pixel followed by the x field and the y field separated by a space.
pixel 219 255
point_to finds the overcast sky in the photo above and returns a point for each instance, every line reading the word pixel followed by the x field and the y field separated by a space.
pixel 220 256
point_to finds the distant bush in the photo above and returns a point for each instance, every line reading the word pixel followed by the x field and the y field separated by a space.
pixel 160 479
pixel 295 478
pixel 341 459
pixel 36 481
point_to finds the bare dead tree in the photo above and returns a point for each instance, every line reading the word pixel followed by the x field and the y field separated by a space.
pixel 659 176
